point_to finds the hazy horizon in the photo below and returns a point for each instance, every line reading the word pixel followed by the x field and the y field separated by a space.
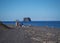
pixel 37 10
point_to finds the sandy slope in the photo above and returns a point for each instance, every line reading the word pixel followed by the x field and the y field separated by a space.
pixel 16 35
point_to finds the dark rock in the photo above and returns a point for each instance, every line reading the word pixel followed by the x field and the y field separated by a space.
pixel 27 19
pixel 3 25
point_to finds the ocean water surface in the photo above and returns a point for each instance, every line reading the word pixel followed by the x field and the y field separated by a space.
pixel 37 23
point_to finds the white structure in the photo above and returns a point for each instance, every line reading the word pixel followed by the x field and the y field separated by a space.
pixel 17 23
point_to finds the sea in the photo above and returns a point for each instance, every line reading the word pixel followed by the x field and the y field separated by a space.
pixel 55 24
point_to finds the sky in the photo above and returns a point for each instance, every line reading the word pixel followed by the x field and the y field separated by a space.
pixel 37 10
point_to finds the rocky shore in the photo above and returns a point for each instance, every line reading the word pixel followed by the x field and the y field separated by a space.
pixel 43 34
pixel 30 34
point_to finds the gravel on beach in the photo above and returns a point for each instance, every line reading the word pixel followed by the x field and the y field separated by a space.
pixel 30 35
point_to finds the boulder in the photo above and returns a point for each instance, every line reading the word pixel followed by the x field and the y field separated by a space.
pixel 27 19
pixel 2 25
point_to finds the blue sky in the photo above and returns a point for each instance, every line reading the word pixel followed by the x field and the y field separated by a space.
pixel 37 10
